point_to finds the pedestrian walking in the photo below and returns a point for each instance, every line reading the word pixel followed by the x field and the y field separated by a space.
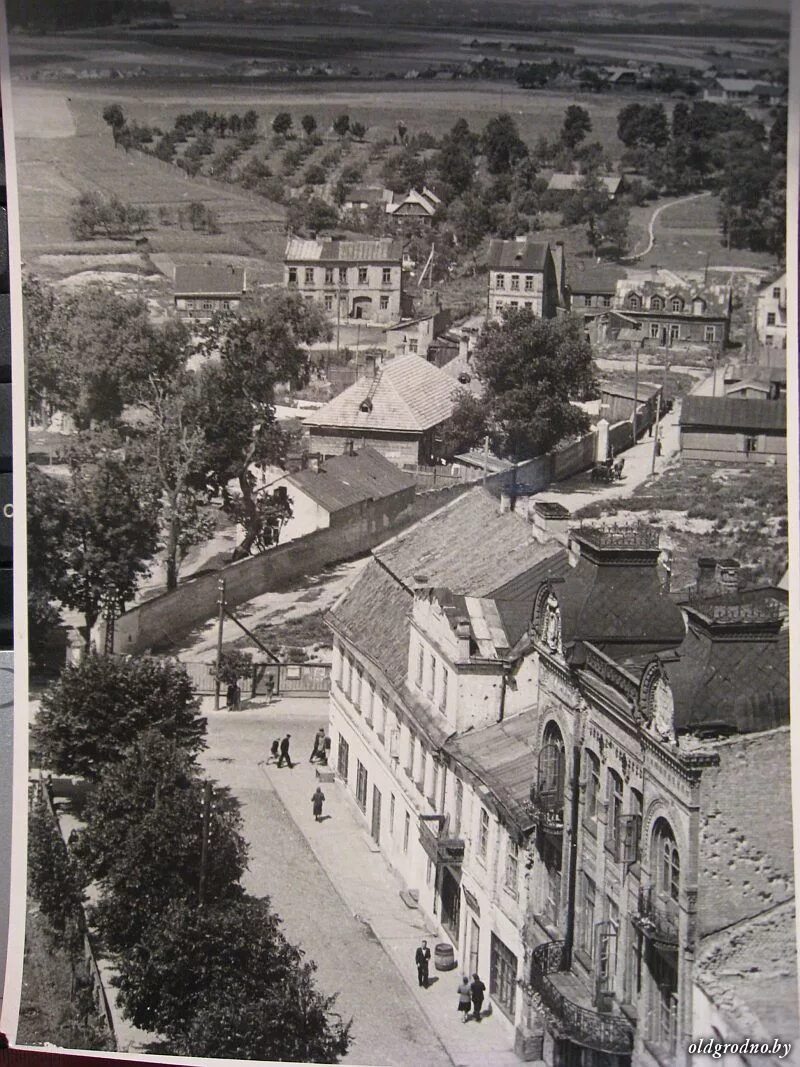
pixel 464 998
pixel 318 751
pixel 285 752
pixel 273 752
pixel 326 753
pixel 422 958
pixel 478 990
pixel 317 800
pixel 230 696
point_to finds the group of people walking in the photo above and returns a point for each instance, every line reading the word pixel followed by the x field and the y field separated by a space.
pixel 471 992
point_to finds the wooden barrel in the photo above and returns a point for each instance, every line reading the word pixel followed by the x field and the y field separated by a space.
pixel 444 957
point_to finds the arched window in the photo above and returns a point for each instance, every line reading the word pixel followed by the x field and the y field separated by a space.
pixel 634 301
pixel 666 861
pixel 550 779
pixel 656 304
pixel 677 304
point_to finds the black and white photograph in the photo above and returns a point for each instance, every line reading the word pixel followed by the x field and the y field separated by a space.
pixel 409 491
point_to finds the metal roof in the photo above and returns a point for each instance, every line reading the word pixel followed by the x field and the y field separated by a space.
pixel 352 479
pixel 383 250
pixel 733 413
pixel 521 254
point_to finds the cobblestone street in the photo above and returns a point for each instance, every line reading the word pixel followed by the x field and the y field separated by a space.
pixel 339 900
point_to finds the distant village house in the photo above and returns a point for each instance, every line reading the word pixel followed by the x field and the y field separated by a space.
pixel 348 279
pixel 203 290
pixel 524 273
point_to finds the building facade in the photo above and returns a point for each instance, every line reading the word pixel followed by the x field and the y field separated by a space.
pixel 525 274
pixel 670 311
pixel 201 291
pixel 770 313
pixel 359 280
pixel 740 430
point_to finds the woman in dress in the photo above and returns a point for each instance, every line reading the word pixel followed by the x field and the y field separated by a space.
pixel 317 801
pixel 464 998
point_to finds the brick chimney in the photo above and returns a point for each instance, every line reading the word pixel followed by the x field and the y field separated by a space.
pixel 706 576
pixel 728 575
pixel 549 521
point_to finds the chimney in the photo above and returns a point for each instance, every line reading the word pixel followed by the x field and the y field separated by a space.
pixel 507 500
pixel 314 462
pixel 463 636
pixel 706 576
pixel 550 521
pixel 728 575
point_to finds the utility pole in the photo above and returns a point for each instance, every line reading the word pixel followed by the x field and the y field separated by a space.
pixel 204 842
pixel 220 621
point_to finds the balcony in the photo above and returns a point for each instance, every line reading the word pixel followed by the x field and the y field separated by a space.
pixel 581 1025
pixel 439 844
pixel 657 918
pixel 547 810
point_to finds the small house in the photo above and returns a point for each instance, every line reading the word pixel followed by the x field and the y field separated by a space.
pixel 733 430
pixel 203 290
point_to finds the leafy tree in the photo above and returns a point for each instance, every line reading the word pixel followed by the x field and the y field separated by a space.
pixel 114 116
pixel 224 981
pixel 92 213
pixel 341 125
pixel 455 162
pixel 249 121
pixel 612 227
pixel 404 170
pixel 467 427
pixel 235 406
pixel 235 124
pixel 53 876
pixel 576 125
pixel 48 516
pixel 315 175
pixel 532 370
pixel 309 124
pixel 143 840
pixel 358 130
pixel 779 132
pixel 470 217
pixel 112 534
pixel 233 665
pixel 311 215
pixel 501 144
pixel 588 203
pixel 282 123
pixel 642 126
pixel 100 707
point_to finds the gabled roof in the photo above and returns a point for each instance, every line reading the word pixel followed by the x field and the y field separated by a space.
pixel 754 372
pixel 383 250
pixel 520 254
pixel 566 183
pixel 209 280
pixel 450 548
pixel 595 278
pixel 352 479
pixel 426 200
pixel 716 298
pixel 406 394
pixel 733 413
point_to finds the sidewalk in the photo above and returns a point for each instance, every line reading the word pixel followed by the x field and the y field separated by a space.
pixel 371 892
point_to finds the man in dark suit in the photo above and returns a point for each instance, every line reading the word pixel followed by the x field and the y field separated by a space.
pixel 285 752
pixel 422 959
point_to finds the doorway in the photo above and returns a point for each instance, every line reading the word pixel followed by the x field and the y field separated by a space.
pixel 474 946
pixel 451 905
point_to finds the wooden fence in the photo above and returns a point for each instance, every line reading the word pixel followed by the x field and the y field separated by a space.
pixel 299 679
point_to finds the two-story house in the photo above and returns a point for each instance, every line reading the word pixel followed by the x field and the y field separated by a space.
pixel 770 313
pixel 667 310
pixel 526 274
pixel 348 279
pixel 202 290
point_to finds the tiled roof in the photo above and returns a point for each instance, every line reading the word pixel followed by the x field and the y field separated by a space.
pixel 503 757
pixel 568 182
pixel 613 599
pixel 723 675
pixel 754 372
pixel 374 615
pixel 595 278
pixel 469 546
pixel 351 479
pixel 517 255
pixel 667 285
pixel 208 280
pixel 733 413
pixel 407 393
pixel 383 250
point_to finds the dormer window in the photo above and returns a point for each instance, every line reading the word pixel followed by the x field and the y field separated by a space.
pixel 676 304
pixel 698 306
pixel 634 301
pixel 656 304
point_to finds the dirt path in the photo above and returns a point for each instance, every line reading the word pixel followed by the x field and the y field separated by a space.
pixel 651 224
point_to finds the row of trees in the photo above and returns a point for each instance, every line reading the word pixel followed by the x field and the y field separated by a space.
pixel 137 487
pixel 201 964
pixel 342 126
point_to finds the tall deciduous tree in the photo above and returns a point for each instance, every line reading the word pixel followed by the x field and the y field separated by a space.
pixel 235 406
pixel 48 519
pixel 577 123
pixel 309 124
pixel 341 125
pixel 501 144
pixel 225 982
pixel 282 123
pixel 99 708
pixel 532 370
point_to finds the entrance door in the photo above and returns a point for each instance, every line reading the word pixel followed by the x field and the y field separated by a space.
pixel 451 905
pixel 474 946
pixel 376 815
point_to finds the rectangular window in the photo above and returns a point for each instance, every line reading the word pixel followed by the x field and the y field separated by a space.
pixel 292 275
pixel 503 976
pixel 329 275
pixel 606 301
pixel 459 807
pixel 412 741
pixel 420 665
pixel 384 302
pixel 528 283
pixel 592 789
pixel 770 318
pixel 514 303
pixel 386 276
pixel 391 815
pixel 329 303
pixel 711 333
pixel 434 783
pixel 501 281
pixel 776 293
pixel 309 275
pixel 432 677
pixel 751 444
pixel 413 343
pixel 368 698
pixel 423 764
pixel 343 760
pixel 347 670
pixel 362 275
pixel 528 303
pixel 342 275
pixel 338 662
pixel 361 785
pixel 512 868
pixel 587 927
pixel 483 835
pixel 359 681
pixel 614 824
pixel 655 330
pixel 406 831
pixel 515 283
pixel 443 690
pixel 674 332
